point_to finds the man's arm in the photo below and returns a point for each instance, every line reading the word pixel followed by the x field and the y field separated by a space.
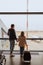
pixel 15 35
pixel 8 32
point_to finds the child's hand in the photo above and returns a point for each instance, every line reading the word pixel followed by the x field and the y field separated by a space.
pixel 26 45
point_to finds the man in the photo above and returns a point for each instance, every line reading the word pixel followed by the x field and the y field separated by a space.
pixel 12 38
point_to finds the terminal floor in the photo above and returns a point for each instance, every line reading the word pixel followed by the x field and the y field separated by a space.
pixel 17 60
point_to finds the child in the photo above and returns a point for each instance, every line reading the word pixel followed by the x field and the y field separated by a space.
pixel 22 42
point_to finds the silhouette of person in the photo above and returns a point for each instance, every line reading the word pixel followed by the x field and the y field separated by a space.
pixel 12 38
pixel 22 42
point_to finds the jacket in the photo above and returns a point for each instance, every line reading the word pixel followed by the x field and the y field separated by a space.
pixel 12 34
pixel 22 41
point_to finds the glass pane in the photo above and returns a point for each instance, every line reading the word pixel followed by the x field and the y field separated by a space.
pixel 12 5
pixel 5 45
pixel 35 5
pixel 35 22
pixel 5 21
pixel 18 20
pixel 35 44
pixel 32 45
pixel 35 30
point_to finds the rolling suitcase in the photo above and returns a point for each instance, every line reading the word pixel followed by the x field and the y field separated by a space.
pixel 26 56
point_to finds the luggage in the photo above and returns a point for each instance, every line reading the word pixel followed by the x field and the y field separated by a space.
pixel 26 56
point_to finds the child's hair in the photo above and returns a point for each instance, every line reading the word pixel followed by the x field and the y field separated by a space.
pixel 22 33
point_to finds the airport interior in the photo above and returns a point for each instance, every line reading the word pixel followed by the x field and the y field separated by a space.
pixel 27 16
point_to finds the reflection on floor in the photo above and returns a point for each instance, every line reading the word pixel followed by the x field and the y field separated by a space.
pixel 36 60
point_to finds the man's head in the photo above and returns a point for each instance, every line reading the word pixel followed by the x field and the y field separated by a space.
pixel 12 26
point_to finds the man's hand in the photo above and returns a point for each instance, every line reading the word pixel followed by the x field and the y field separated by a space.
pixel 17 40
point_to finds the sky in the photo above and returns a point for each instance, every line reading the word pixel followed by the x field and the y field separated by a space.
pixel 35 22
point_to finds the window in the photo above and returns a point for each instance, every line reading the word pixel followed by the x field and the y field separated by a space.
pixel 33 24
pixel 35 5
pixel 13 5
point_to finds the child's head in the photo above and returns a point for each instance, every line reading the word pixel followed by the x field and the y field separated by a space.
pixel 22 33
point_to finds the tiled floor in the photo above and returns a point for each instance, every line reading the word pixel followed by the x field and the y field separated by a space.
pixel 35 60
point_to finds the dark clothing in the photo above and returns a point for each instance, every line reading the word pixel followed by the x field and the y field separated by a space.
pixel 12 34
pixel 12 38
pixel 21 50
pixel 12 44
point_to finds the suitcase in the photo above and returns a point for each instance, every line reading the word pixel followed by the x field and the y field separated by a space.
pixel 26 56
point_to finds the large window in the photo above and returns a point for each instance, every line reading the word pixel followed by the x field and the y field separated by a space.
pixel 27 21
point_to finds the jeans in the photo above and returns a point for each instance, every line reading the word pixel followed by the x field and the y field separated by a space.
pixel 21 50
pixel 12 43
